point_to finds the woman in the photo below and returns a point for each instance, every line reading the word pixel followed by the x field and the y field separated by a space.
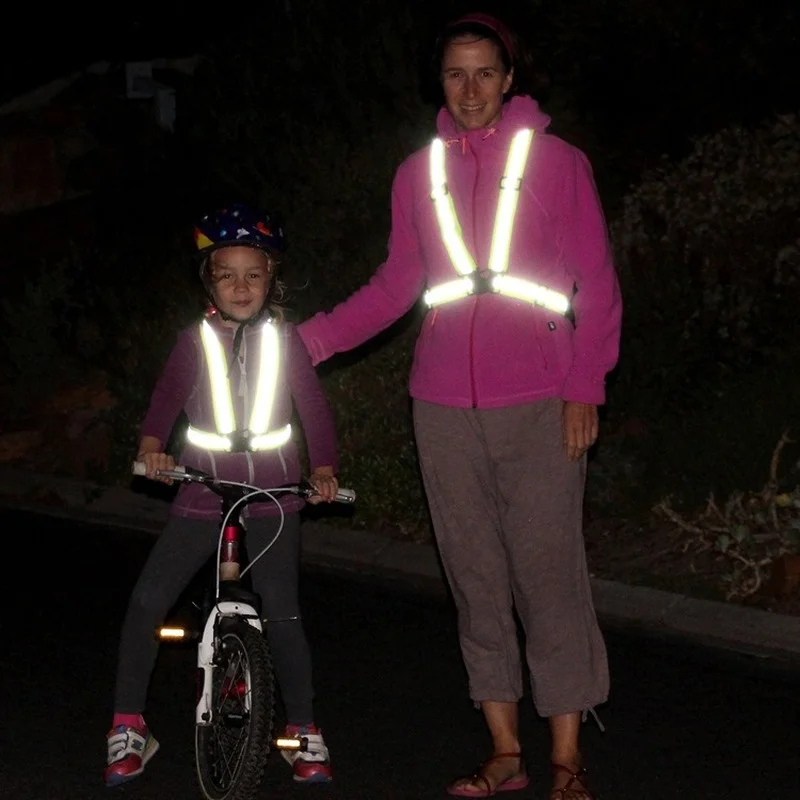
pixel 501 223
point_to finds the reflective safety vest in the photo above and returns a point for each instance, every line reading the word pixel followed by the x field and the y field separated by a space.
pixel 258 435
pixel 472 280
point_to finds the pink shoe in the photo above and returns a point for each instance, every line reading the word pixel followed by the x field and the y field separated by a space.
pixel 312 765
pixel 129 750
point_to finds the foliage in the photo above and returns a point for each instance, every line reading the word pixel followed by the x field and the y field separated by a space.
pixel 77 321
pixel 371 403
pixel 751 531
pixel 707 254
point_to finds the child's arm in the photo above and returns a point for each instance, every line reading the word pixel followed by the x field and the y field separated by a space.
pixel 316 417
pixel 169 397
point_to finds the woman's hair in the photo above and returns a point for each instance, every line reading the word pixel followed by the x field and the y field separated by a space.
pixel 515 55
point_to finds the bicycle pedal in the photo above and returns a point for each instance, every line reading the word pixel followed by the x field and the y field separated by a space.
pixel 292 743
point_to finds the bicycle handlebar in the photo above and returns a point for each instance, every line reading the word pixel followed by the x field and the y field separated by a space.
pixel 302 489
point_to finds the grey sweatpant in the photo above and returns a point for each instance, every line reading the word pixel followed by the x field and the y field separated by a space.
pixel 506 506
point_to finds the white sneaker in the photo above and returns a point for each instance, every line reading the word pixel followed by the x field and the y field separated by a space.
pixel 312 765
pixel 128 752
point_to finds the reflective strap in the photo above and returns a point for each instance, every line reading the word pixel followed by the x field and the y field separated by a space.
pixel 220 389
pixel 258 436
pixel 215 442
pixel 267 380
pixel 510 185
pixel 269 441
pixel 207 441
pixel 506 285
pixel 531 292
pixel 449 226
pixel 452 290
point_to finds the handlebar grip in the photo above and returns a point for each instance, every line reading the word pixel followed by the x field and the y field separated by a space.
pixel 345 496
pixel 139 468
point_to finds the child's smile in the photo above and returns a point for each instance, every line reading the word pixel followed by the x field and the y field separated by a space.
pixel 241 277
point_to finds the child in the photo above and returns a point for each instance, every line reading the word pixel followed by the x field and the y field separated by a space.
pixel 264 358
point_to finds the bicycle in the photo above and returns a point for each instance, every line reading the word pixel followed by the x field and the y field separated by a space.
pixel 235 709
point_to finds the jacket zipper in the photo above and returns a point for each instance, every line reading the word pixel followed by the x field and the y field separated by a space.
pixel 473 386
pixel 243 393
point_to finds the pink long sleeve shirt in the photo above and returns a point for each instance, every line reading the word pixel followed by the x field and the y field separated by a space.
pixel 487 350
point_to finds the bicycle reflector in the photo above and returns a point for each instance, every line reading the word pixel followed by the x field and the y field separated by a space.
pixel 291 743
pixel 172 633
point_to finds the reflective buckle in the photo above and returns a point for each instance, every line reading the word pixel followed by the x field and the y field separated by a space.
pixel 504 181
pixel 240 441
pixel 482 282
pixel 439 192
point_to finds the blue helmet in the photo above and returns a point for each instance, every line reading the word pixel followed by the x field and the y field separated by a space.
pixel 238 224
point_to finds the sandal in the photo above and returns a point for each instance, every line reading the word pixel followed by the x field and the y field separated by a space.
pixel 566 792
pixel 512 784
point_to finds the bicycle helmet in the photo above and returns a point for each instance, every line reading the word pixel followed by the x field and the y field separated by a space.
pixel 237 225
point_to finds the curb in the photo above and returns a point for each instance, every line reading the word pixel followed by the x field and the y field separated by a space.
pixel 708 623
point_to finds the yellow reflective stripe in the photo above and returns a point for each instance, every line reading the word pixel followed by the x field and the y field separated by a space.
pixel 449 226
pixel 509 197
pixel 220 390
pixel 269 441
pixel 267 380
pixel 445 292
pixel 213 441
pixel 207 441
pixel 531 292
pixel 222 402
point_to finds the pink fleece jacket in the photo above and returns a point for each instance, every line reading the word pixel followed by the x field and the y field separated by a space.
pixel 489 351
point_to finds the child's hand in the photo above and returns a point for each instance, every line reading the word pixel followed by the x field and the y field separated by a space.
pixel 326 485
pixel 155 462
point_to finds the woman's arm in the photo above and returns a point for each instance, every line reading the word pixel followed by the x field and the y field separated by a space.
pixel 597 303
pixel 388 295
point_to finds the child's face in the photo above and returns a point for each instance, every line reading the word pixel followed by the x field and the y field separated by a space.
pixel 240 280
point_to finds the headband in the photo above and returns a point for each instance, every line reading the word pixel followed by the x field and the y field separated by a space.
pixel 493 24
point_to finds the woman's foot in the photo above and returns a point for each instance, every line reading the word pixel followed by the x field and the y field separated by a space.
pixel 568 783
pixel 503 772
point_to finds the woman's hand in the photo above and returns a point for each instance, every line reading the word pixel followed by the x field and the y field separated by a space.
pixel 154 459
pixel 581 426
pixel 324 482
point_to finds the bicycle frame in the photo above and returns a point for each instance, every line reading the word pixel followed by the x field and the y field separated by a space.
pixel 231 601
pixel 228 574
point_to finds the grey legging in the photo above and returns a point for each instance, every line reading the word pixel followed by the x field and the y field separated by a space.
pixel 178 554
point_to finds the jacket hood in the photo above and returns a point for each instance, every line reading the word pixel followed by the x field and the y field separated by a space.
pixel 520 111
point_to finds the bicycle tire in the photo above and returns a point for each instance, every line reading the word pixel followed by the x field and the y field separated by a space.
pixel 231 753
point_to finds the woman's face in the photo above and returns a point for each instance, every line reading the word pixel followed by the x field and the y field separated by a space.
pixel 474 80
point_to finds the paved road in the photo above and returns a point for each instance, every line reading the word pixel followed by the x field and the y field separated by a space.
pixel 681 723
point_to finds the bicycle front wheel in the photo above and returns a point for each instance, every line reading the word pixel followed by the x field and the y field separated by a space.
pixel 231 753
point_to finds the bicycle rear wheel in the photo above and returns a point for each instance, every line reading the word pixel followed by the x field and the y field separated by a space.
pixel 231 753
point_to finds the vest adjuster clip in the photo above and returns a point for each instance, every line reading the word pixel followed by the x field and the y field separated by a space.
pixel 482 282
pixel 240 441
pixel 506 183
